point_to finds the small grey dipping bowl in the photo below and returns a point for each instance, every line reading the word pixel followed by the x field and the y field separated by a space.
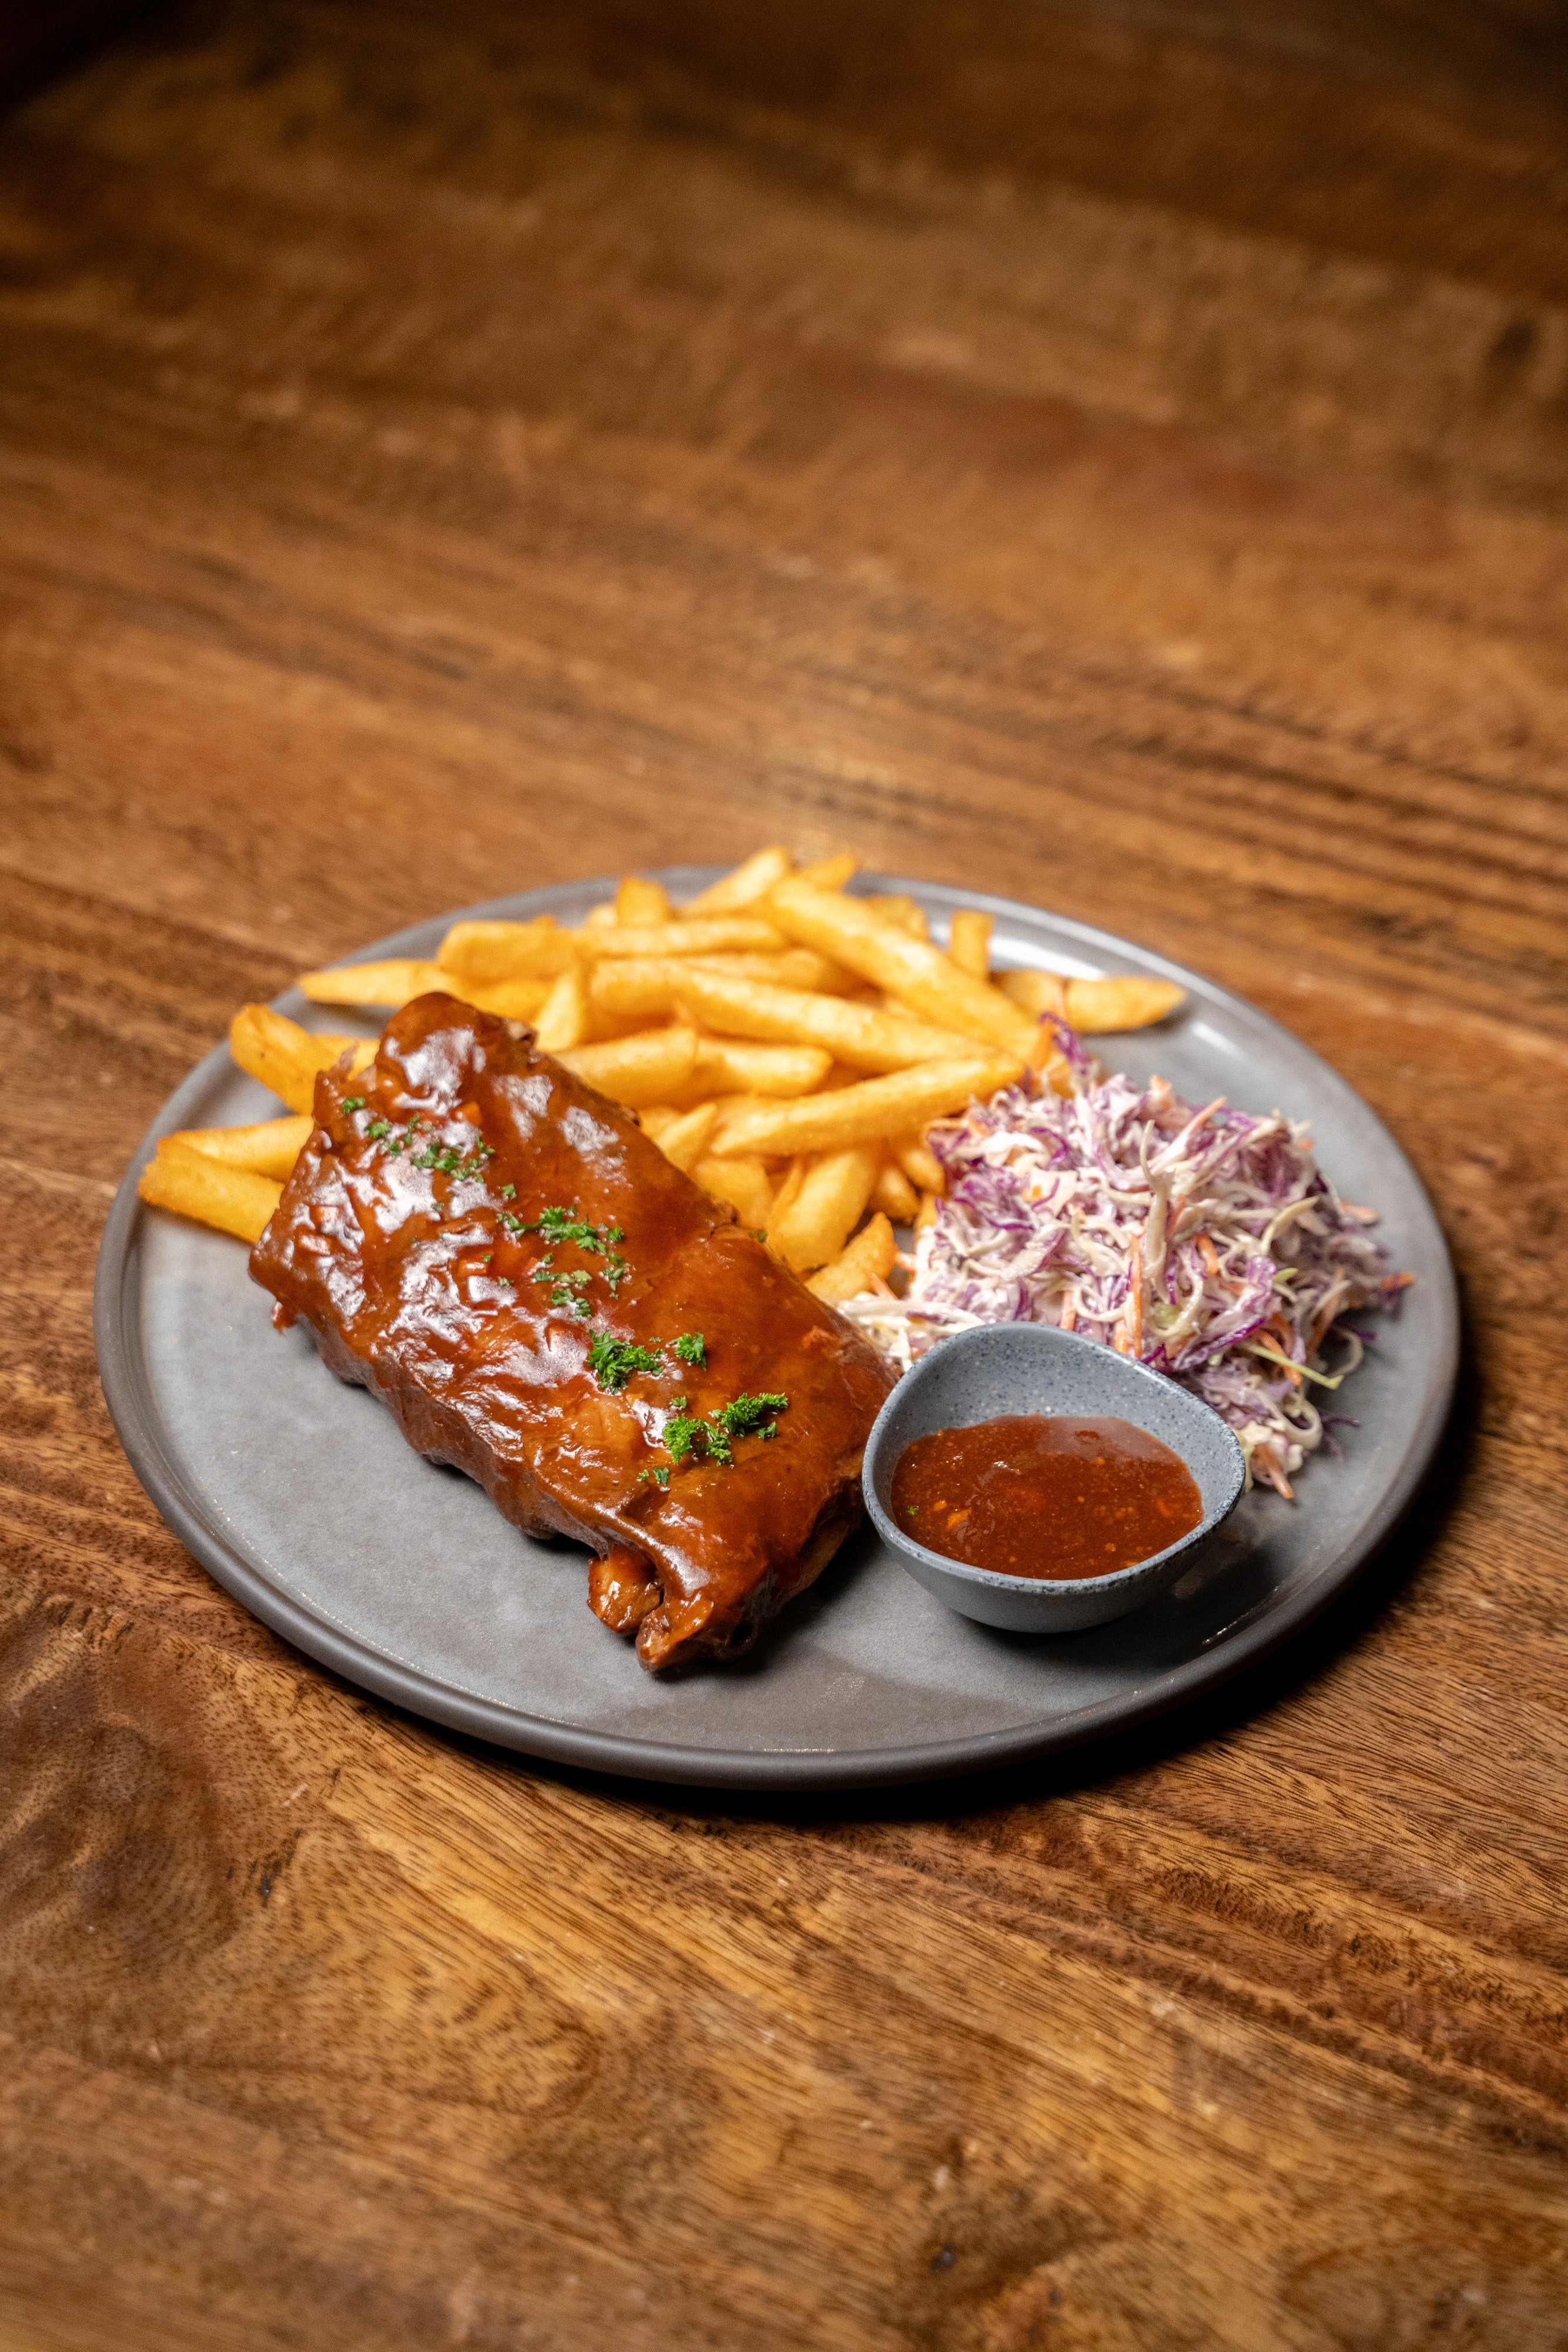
pixel 1005 1368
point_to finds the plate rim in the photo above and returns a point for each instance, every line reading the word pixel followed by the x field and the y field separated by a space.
pixel 116 1333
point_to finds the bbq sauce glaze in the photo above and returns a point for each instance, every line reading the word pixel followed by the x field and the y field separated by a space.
pixel 1056 1497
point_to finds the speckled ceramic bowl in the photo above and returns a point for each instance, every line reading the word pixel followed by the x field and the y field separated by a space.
pixel 1010 1368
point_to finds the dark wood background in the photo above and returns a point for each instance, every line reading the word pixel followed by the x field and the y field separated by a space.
pixel 1115 454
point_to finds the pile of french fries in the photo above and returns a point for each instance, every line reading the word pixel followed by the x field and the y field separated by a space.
pixel 784 1042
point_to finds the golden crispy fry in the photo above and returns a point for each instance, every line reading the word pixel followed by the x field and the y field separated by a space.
pixel 867 1260
pixel 1035 992
pixel 743 1183
pixel 827 1206
pixel 786 968
pixel 895 1194
pixel 488 953
pixel 927 1211
pixel 910 968
pixel 970 941
pixel 270 1149
pixel 684 1140
pixel 563 1018
pixel 919 1162
pixel 791 968
pixel 270 1047
pixel 643 985
pixel 866 1112
pixel 393 982
pixel 725 1065
pixel 901 912
pixel 855 1035
pixel 648 985
pixel 235 1200
pixel 1098 1006
pixel 789 1191
pixel 639 901
pixel 598 917
pixel 647 1067
pixel 742 886
pixel 829 873
pixel 399 981
pixel 657 1118
pixel 715 935
pixel 1095 1007
pixel 513 999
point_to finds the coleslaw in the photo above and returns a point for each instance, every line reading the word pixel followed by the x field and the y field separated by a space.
pixel 1202 1240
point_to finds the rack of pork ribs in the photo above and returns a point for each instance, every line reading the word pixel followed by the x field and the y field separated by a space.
pixel 507 1261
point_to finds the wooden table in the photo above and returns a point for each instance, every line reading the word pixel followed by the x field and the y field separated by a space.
pixel 1118 458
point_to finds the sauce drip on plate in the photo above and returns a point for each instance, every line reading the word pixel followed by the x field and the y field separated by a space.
pixel 1056 1497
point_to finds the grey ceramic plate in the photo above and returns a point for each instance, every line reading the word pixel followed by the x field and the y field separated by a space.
pixel 301 1498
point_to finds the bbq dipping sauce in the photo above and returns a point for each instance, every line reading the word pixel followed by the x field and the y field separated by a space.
pixel 1054 1496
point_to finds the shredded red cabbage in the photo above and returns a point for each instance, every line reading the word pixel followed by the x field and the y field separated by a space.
pixel 1203 1240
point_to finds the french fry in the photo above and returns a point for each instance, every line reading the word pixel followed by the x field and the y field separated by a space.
pixel 919 1162
pixel 910 968
pixel 1035 992
pixel 791 968
pixel 646 985
pixel 395 983
pixel 647 1067
pixel 742 886
pixel 684 1141
pixel 512 1000
pixel 970 941
pixel 863 1113
pixel 827 1206
pixel 235 1200
pixel 639 901
pixel 399 981
pixel 1096 1007
pixel 867 1260
pixel 270 1149
pixel 901 912
pixel 713 935
pixel 269 1046
pixel 743 1183
pixel 725 1065
pixel 564 1019
pixel 855 1035
pixel 893 1194
pixel 829 873
pixel 789 1189
pixel 488 953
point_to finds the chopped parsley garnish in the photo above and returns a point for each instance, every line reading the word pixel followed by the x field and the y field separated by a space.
pixel 448 1160
pixel 613 1361
pixel 682 1431
pixel 377 1128
pixel 688 1436
pixel 692 1348
pixel 508 1192
pixel 353 1102
pixel 565 1225
pixel 744 1416
pixel 565 1290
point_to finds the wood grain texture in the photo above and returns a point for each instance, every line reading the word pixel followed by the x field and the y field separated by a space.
pixel 1111 455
